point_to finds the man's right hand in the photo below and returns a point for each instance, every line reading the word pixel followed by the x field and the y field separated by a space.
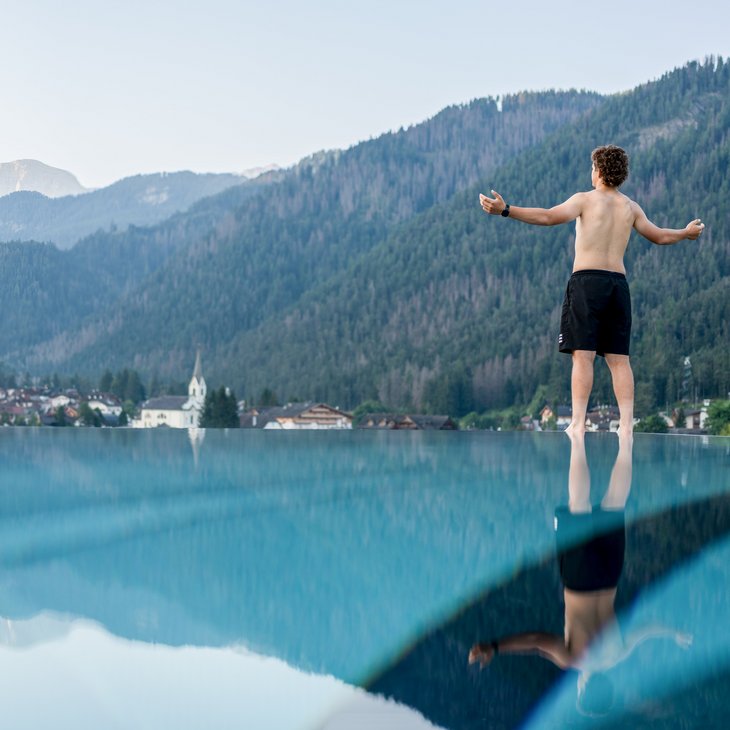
pixel 694 228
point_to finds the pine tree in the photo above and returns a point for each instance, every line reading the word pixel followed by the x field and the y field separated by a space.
pixel 268 398
pixel 134 390
pixel 229 409
pixel 208 418
pixel 220 409
pixel 105 383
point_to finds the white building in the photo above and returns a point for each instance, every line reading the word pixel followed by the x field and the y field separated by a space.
pixel 176 411
pixel 59 400
pixel 695 419
pixel 105 403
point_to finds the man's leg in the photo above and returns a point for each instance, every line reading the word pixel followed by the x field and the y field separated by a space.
pixel 620 484
pixel 623 387
pixel 580 385
pixel 579 477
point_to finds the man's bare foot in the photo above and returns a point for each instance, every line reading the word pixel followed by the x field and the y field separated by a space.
pixel 482 653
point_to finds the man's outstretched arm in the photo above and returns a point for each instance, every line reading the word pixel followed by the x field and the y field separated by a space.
pixel 563 213
pixel 664 236
pixel 548 646
pixel 682 640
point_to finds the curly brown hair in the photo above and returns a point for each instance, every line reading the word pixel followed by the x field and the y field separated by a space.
pixel 612 164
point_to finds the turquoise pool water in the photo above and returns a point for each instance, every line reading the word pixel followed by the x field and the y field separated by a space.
pixel 338 580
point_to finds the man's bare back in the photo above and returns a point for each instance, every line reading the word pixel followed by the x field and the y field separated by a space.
pixel 602 230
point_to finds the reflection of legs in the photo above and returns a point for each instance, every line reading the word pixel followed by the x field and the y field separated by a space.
pixel 580 385
pixel 579 478
pixel 620 484
pixel 623 387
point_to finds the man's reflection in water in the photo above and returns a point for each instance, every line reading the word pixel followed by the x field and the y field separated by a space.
pixel 590 549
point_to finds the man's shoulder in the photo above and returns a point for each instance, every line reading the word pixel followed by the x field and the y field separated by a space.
pixel 582 196
pixel 633 205
pixel 586 196
pixel 626 197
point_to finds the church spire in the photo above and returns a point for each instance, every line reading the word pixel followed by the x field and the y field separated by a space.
pixel 197 389
pixel 198 371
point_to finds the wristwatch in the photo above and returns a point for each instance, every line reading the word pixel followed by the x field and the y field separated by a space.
pixel 505 212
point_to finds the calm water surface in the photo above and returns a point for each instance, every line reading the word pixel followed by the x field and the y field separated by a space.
pixel 250 579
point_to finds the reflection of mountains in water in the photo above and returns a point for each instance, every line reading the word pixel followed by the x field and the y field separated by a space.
pixel 433 676
pixel 329 551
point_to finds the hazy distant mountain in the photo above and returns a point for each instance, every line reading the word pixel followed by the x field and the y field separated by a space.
pixel 253 172
pixel 139 200
pixel 38 177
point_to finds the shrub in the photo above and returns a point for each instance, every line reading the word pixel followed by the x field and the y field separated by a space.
pixel 652 424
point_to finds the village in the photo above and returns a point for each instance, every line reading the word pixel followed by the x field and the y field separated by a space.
pixel 54 407
pixel 42 406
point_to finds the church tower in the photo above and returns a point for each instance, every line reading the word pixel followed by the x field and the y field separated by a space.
pixel 197 388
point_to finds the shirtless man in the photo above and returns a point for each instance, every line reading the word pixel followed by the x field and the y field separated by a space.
pixel 596 315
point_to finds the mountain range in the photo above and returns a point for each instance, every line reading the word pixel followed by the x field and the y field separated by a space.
pixel 32 208
pixel 372 273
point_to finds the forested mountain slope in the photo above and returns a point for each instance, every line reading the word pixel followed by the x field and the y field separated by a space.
pixel 46 293
pixel 265 251
pixel 460 311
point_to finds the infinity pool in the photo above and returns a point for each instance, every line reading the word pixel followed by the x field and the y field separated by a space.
pixel 251 579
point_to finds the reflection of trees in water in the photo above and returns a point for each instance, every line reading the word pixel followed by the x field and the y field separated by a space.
pixel 433 677
pixel 273 532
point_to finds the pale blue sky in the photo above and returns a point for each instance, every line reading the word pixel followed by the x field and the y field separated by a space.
pixel 110 89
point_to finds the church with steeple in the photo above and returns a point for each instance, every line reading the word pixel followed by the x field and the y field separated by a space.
pixel 177 411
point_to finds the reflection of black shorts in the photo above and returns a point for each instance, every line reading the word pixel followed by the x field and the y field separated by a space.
pixel 590 548
pixel 596 313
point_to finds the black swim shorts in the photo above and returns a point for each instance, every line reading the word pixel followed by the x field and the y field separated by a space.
pixel 590 548
pixel 596 313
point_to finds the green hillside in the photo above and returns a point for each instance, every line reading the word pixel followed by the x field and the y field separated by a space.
pixel 459 311
pixel 260 254
pixel 46 294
